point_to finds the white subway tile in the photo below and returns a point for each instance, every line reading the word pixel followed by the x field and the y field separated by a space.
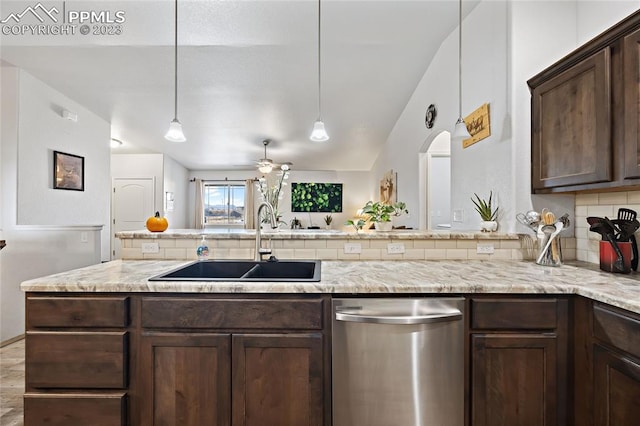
pixel 611 198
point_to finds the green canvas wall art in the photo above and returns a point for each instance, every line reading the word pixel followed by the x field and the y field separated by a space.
pixel 316 197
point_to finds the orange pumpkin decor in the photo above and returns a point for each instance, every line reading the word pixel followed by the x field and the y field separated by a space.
pixel 157 223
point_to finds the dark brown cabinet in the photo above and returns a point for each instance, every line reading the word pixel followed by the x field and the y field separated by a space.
pixel 518 361
pixel 616 388
pixel 616 367
pixel 571 135
pixel 186 378
pixel 277 380
pixel 240 362
pixel 631 54
pixel 158 359
pixel 76 360
pixel 584 115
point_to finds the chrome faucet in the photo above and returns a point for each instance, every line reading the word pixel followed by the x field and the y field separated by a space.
pixel 260 251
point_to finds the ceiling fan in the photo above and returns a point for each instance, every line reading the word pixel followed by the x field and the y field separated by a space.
pixel 266 165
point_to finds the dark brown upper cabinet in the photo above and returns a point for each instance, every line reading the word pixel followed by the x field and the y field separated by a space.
pixel 631 55
pixel 585 118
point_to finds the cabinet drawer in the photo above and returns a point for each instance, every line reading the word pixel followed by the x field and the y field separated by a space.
pixel 77 312
pixel 230 314
pixel 76 360
pixel 75 409
pixel 617 329
pixel 514 314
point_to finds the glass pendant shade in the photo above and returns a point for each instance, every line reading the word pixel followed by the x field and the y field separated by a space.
pixel 265 168
pixel 319 133
pixel 175 134
pixel 460 131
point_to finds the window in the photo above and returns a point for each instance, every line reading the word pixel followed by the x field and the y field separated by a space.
pixel 223 203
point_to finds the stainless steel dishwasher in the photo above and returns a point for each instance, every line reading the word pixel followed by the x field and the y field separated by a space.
pixel 398 362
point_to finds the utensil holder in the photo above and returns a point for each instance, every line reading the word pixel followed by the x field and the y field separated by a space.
pixel 552 256
pixel 608 257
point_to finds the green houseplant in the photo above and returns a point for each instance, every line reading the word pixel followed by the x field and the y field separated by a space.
pixel 327 220
pixel 487 213
pixel 382 214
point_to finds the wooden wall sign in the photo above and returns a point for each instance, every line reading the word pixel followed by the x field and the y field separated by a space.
pixel 478 125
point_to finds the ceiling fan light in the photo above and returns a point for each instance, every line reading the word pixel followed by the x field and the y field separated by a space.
pixel 319 133
pixel 460 131
pixel 265 168
pixel 175 134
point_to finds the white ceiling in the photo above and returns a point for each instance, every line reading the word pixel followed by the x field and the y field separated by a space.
pixel 247 71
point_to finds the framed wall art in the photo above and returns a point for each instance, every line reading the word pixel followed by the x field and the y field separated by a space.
pixel 68 171
pixel 388 185
pixel 315 197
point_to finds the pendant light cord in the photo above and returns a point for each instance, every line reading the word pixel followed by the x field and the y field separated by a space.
pixel 319 63
pixel 175 64
pixel 460 59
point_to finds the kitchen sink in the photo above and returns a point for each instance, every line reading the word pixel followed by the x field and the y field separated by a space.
pixel 244 270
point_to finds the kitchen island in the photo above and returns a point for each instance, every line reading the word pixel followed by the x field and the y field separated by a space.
pixel 107 346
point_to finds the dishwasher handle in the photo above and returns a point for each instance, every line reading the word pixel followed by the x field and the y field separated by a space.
pixel 399 319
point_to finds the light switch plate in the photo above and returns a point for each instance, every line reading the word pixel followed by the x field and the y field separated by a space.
pixel 395 248
pixel 458 215
pixel 353 248
pixel 150 248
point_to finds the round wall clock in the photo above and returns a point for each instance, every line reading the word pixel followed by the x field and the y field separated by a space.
pixel 430 117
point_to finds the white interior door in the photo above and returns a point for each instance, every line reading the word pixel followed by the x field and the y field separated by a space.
pixel 133 202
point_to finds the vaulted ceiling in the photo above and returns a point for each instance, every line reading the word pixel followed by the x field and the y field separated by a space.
pixel 247 72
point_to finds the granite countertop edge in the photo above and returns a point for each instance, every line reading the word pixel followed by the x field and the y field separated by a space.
pixel 306 234
pixel 366 277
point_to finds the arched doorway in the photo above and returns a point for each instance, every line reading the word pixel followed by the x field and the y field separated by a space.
pixel 435 181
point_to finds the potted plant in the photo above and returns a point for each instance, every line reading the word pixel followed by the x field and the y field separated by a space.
pixel 327 220
pixel 357 224
pixel 295 223
pixel 486 212
pixel 382 214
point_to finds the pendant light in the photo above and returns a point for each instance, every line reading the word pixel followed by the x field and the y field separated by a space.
pixel 175 134
pixel 319 133
pixel 460 131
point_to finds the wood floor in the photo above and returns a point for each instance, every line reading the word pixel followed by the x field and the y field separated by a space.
pixel 11 383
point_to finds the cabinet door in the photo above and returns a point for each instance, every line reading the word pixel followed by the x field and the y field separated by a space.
pixel 631 105
pixel 616 390
pixel 277 380
pixel 185 379
pixel 571 126
pixel 514 379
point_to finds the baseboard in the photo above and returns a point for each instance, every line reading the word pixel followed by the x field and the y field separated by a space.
pixel 12 340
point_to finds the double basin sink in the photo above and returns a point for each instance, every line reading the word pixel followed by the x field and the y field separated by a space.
pixel 244 270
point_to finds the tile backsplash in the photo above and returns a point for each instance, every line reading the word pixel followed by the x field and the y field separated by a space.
pixel 598 204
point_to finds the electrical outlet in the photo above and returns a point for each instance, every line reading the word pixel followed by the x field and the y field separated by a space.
pixel 395 248
pixel 150 248
pixel 458 215
pixel 484 249
pixel 353 248
pixel 84 237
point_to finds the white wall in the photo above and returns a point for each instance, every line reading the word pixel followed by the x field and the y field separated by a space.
pixel 356 192
pixel 176 181
pixel 41 131
pixel 50 239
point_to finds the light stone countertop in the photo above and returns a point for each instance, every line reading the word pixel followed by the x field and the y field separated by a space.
pixel 368 277
pixel 307 234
